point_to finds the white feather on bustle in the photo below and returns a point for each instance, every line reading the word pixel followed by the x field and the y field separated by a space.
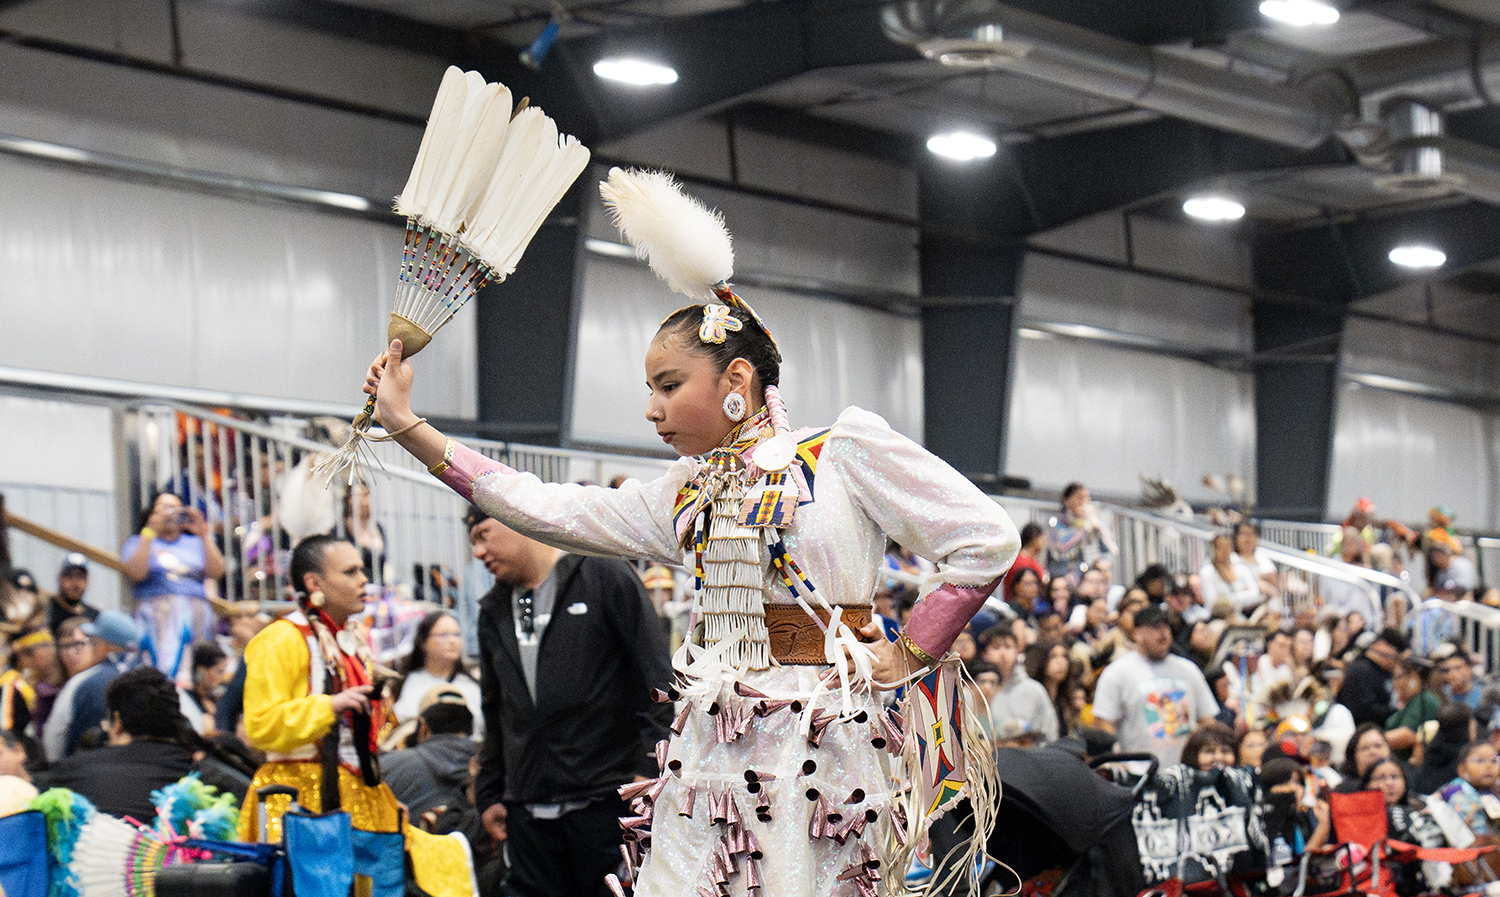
pixel 684 241
pixel 486 177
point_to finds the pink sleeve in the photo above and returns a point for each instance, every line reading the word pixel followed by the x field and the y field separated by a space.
pixel 465 466
pixel 938 618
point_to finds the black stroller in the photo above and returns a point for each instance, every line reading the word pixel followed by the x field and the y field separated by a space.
pixel 1061 829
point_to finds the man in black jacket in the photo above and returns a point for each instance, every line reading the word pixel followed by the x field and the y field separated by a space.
pixel 569 650
pixel 1367 690
pixel 146 748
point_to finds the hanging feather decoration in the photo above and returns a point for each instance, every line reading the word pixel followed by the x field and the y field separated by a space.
pixel 486 175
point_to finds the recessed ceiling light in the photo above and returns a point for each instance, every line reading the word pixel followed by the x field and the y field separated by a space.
pixel 639 72
pixel 1214 208
pixel 964 146
pixel 1416 255
pixel 1300 12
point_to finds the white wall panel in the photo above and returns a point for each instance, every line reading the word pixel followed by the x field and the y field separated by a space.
pixel 122 280
pixel 1407 454
pixel 1058 290
pixel 188 124
pixel 835 355
pixel 1106 416
pixel 57 468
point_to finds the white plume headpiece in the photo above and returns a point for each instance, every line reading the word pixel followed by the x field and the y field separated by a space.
pixel 684 241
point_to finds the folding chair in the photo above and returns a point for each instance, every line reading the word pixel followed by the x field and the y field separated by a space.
pixel 1360 819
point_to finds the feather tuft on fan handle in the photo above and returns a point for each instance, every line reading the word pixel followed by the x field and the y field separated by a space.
pixel 486 176
pixel 683 241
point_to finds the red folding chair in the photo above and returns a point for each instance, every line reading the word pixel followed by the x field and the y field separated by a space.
pixel 1360 819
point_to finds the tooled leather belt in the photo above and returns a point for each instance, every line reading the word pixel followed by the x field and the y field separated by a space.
pixel 796 639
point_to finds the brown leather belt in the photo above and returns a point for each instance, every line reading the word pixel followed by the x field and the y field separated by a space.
pixel 796 639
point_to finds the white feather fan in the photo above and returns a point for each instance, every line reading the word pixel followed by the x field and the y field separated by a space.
pixel 485 178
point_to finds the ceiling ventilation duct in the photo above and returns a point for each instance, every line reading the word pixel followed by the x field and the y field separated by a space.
pixel 1386 105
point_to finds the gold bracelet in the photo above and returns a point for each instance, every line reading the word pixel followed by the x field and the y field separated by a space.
pixel 918 653
pixel 442 466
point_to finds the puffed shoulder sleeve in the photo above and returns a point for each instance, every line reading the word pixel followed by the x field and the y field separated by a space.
pixel 925 505
pixel 632 521
pixel 280 715
pixel 921 502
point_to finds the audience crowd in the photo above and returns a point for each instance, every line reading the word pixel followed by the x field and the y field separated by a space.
pixel 1230 666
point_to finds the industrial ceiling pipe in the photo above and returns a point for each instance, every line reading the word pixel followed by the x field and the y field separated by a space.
pixel 1385 105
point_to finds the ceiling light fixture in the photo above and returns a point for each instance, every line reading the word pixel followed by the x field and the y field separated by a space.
pixel 1214 208
pixel 637 72
pixel 1300 13
pixel 962 146
pixel 1417 255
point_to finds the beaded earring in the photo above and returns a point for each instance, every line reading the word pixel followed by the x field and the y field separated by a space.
pixel 734 406
pixel 316 599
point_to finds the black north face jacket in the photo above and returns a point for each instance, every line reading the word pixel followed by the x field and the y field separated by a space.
pixel 593 725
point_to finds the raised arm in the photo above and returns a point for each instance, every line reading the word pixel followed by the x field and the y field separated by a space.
pixel 633 521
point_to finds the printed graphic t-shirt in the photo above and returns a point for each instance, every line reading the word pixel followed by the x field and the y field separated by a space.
pixel 1154 706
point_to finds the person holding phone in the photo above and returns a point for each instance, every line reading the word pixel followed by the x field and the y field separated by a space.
pixel 168 562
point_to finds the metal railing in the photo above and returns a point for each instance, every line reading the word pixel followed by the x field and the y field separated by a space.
pixel 250 478
pixel 253 482
pixel 1183 547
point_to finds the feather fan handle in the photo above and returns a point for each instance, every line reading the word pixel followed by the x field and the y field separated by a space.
pixel 683 241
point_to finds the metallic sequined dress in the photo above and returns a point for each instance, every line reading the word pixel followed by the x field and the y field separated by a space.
pixel 777 781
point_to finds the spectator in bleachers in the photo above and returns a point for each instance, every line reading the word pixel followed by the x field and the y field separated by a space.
pixel 23 601
pixel 1211 746
pixel 1367 690
pixel 1152 700
pixel 83 655
pixel 1155 581
pixel 1021 705
pixel 1078 534
pixel 1447 564
pixel 145 751
pixel 1057 595
pixel 245 622
pixel 1024 593
pixel 30 686
pixel 1366 747
pixel 1049 663
pixel 1455 728
pixel 1456 677
pixel 436 660
pixel 1305 829
pixel 168 561
pixel 200 702
pixel 435 773
pixel 1303 642
pixel 1033 545
pixel 1407 820
pixel 1416 705
pixel 115 640
pixel 72 582
pixel 367 535
pixel 1435 622
pixel 1247 549
pixel 1225 576
pixel 1251 748
pixel 1353 597
pixel 1478 770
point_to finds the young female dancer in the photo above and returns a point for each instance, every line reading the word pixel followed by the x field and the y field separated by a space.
pixel 778 775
